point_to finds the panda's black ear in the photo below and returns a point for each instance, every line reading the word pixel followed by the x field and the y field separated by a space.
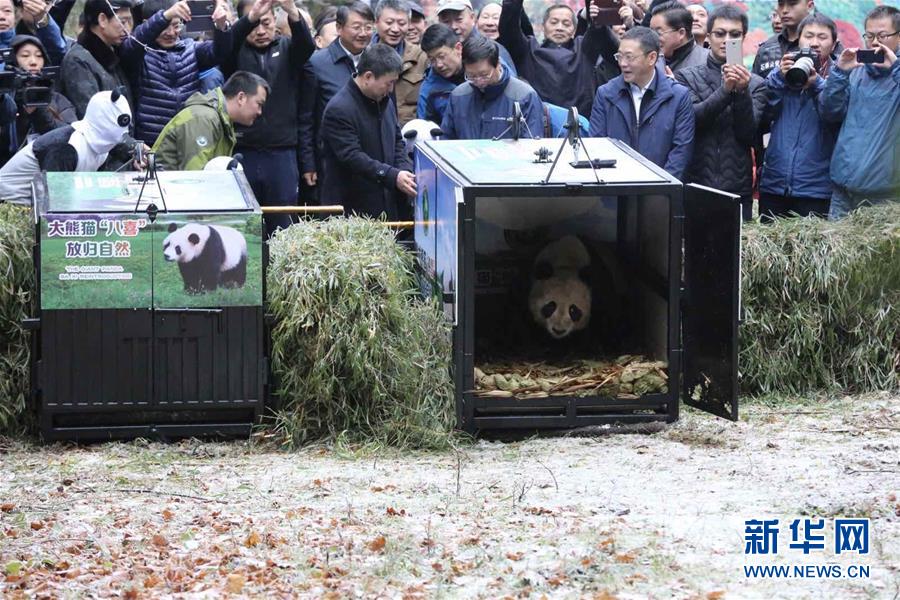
pixel 194 239
pixel 436 132
pixel 543 270
pixel 172 227
pixel 410 134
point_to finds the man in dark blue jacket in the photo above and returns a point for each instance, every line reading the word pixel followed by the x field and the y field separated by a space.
pixel 366 166
pixel 269 146
pixel 644 108
pixel 444 51
pixel 328 71
pixel 478 108
pixel 794 178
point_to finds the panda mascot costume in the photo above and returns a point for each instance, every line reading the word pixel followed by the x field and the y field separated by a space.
pixel 82 146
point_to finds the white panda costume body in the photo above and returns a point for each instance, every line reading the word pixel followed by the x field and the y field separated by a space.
pixel 560 299
pixel 419 130
pixel 82 146
pixel 208 256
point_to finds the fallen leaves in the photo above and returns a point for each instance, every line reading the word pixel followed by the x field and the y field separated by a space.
pixel 234 583
pixel 159 540
pixel 377 545
pixel 252 540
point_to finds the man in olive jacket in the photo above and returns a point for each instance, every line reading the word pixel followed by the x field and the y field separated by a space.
pixel 204 128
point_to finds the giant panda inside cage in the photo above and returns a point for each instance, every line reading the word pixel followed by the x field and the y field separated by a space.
pixel 569 295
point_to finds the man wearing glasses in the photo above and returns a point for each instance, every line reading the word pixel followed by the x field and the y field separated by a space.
pixel 673 23
pixel 480 107
pixel 644 108
pixel 865 167
pixel 728 103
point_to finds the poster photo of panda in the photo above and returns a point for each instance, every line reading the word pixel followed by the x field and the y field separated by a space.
pixel 208 260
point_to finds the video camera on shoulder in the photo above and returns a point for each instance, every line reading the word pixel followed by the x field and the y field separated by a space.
pixel 32 90
pixel 806 62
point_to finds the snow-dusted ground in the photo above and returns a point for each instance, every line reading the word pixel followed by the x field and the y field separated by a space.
pixel 657 515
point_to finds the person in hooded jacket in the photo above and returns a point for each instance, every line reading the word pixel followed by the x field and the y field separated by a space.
pixel 478 108
pixel 29 56
pixel 166 72
pixel 82 146
pixel 31 18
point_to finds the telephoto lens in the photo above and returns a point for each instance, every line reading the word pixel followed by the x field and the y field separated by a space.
pixel 805 64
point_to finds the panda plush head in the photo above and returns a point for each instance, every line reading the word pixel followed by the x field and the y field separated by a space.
pixel 419 130
pixel 560 297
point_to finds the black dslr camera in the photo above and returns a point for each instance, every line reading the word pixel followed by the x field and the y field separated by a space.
pixel 806 62
pixel 29 89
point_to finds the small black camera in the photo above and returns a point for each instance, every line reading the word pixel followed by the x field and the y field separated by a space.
pixel 806 62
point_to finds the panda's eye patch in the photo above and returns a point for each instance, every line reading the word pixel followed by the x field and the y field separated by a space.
pixel 166 245
pixel 177 249
pixel 575 313
pixel 548 309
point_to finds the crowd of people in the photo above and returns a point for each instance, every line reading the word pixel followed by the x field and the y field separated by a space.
pixel 315 107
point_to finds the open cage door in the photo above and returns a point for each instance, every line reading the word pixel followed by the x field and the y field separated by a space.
pixel 712 279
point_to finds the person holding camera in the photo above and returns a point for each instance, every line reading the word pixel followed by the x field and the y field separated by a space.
pixel 728 103
pixel 794 178
pixel 863 90
pixel 40 110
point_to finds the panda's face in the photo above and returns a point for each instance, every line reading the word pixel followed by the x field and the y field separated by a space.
pixel 184 244
pixel 561 305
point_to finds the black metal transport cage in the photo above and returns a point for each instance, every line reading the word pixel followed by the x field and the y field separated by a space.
pixel 664 269
pixel 150 298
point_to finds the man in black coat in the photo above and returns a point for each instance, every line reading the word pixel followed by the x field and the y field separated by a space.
pixel 269 146
pixel 326 73
pixel 365 161
pixel 728 104
pixel 561 68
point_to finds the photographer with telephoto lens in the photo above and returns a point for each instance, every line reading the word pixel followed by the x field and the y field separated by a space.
pixel 38 107
pixel 788 184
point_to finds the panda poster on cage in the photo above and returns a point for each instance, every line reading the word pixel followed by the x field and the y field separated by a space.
pixel 425 213
pixel 207 261
pixel 95 261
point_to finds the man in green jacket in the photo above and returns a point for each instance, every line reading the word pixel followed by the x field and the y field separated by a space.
pixel 204 128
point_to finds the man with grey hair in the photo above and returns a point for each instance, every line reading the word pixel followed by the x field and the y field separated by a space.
pixel 367 169
pixel 459 16
pixel 391 26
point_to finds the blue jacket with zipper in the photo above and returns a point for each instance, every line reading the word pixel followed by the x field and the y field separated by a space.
pixel 665 132
pixel 798 157
pixel 867 99
pixel 474 114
